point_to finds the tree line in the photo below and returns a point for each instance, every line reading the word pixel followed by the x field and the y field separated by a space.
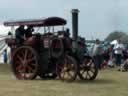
pixel 117 35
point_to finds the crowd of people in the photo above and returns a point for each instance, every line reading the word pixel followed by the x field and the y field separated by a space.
pixel 111 56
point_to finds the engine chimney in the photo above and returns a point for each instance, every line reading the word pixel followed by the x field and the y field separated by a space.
pixel 75 23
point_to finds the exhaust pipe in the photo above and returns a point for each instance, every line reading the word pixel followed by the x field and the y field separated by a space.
pixel 75 24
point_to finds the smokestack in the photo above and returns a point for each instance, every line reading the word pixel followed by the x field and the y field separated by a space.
pixel 75 23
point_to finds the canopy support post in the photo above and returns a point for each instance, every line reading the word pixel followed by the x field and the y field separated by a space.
pixel 12 31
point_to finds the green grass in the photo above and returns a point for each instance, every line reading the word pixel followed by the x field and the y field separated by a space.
pixel 108 83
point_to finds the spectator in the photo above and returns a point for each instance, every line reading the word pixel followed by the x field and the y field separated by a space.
pixel 118 51
pixel 124 65
pixel 110 59
pixel 105 57
pixel 97 53
pixel 9 34
pixel 125 53
pixel 5 57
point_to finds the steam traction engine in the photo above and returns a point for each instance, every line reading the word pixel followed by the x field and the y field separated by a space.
pixel 51 54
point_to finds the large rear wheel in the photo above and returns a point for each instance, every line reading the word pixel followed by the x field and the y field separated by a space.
pixel 25 63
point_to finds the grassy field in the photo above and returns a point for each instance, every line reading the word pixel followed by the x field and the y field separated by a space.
pixel 108 83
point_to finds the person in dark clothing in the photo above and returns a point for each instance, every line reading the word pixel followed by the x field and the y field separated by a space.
pixel 67 33
pixel 97 53
pixel 19 33
pixel 125 53
pixel 28 31
pixel 124 65
pixel 9 33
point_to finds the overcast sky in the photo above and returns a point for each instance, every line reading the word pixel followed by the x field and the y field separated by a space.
pixel 97 18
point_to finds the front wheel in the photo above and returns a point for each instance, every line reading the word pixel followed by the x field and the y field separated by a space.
pixel 88 69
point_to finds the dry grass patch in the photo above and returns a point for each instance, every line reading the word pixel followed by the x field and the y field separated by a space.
pixel 108 83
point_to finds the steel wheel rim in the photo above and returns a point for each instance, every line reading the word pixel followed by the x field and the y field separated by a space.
pixel 87 71
pixel 25 63
pixel 67 70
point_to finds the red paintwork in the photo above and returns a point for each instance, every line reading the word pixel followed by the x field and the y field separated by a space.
pixel 31 41
pixel 10 41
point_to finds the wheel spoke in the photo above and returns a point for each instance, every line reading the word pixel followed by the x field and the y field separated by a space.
pixel 19 67
pixel 31 59
pixel 30 68
pixel 26 73
pixel 85 62
pixel 83 71
pixel 92 65
pixel 92 70
pixel 30 55
pixel 21 60
pixel 71 66
pixel 88 74
pixel 67 70
pixel 25 54
pixel 63 70
pixel 70 74
pixel 89 63
pixel 60 67
pixel 63 74
pixel 18 63
pixel 84 74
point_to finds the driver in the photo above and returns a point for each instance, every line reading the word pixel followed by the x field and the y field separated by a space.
pixel 67 32
pixel 19 34
pixel 28 31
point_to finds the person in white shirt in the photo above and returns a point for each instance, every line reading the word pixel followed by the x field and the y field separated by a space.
pixel 118 51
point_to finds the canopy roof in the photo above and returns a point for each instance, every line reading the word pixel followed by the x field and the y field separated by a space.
pixel 50 21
